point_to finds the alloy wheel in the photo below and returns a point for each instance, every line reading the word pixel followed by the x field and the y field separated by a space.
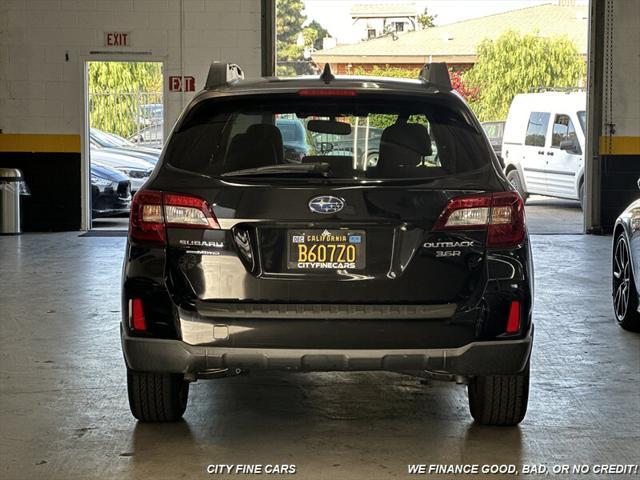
pixel 621 278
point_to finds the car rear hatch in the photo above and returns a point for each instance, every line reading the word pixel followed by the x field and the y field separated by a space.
pixel 387 245
pixel 277 250
pixel 242 226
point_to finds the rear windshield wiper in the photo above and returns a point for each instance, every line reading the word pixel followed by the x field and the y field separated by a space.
pixel 311 169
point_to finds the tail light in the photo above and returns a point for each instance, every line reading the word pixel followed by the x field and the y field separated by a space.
pixel 501 214
pixel 153 211
pixel 188 211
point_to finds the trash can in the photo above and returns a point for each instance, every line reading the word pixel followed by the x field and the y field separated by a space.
pixel 11 187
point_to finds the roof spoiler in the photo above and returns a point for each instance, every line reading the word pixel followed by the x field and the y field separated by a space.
pixel 436 75
pixel 221 74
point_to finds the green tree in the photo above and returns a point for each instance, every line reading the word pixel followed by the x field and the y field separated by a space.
pixel 289 20
pixel 515 63
pixel 387 71
pixel 425 20
pixel 318 31
pixel 457 82
pixel 293 37
pixel 114 101
pixel 382 120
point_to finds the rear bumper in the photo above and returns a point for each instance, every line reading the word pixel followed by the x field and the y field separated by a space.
pixel 476 358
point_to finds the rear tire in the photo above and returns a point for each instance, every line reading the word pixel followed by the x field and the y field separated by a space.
pixel 499 400
pixel 514 177
pixel 625 298
pixel 157 397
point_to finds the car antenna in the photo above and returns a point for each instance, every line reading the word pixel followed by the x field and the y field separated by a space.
pixel 327 75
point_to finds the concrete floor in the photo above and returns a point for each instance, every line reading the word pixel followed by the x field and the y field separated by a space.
pixel 64 412
pixel 110 223
pixel 553 215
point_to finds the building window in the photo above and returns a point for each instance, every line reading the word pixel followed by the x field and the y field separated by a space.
pixel 371 33
pixel 399 26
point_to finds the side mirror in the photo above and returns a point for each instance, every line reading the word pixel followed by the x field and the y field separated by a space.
pixel 569 146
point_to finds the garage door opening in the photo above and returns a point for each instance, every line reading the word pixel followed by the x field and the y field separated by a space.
pixel 125 135
pixel 533 51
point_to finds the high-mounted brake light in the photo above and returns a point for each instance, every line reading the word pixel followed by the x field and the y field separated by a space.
pixel 153 211
pixel 501 214
pixel 327 92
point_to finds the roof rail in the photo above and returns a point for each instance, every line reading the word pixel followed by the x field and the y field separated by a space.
pixel 436 75
pixel 221 74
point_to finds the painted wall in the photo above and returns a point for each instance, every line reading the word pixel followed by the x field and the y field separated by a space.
pixel 361 26
pixel 613 155
pixel 43 45
pixel 621 76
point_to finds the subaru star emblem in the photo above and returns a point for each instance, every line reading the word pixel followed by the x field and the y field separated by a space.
pixel 326 204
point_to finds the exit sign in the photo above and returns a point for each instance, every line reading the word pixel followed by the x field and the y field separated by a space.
pixel 179 83
pixel 117 39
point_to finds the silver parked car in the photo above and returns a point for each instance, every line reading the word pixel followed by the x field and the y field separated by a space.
pixel 136 169
pixel 116 143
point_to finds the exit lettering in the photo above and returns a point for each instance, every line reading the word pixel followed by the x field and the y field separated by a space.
pixel 117 39
pixel 179 83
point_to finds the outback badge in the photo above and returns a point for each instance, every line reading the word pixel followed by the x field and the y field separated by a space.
pixel 326 204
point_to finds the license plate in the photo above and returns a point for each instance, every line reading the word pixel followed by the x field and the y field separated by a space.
pixel 326 250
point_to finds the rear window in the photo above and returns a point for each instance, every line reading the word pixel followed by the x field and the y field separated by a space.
pixel 353 138
pixel 290 131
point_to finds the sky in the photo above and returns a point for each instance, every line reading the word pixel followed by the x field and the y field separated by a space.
pixel 334 15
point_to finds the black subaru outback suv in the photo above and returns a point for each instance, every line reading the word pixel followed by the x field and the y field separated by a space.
pixel 414 260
